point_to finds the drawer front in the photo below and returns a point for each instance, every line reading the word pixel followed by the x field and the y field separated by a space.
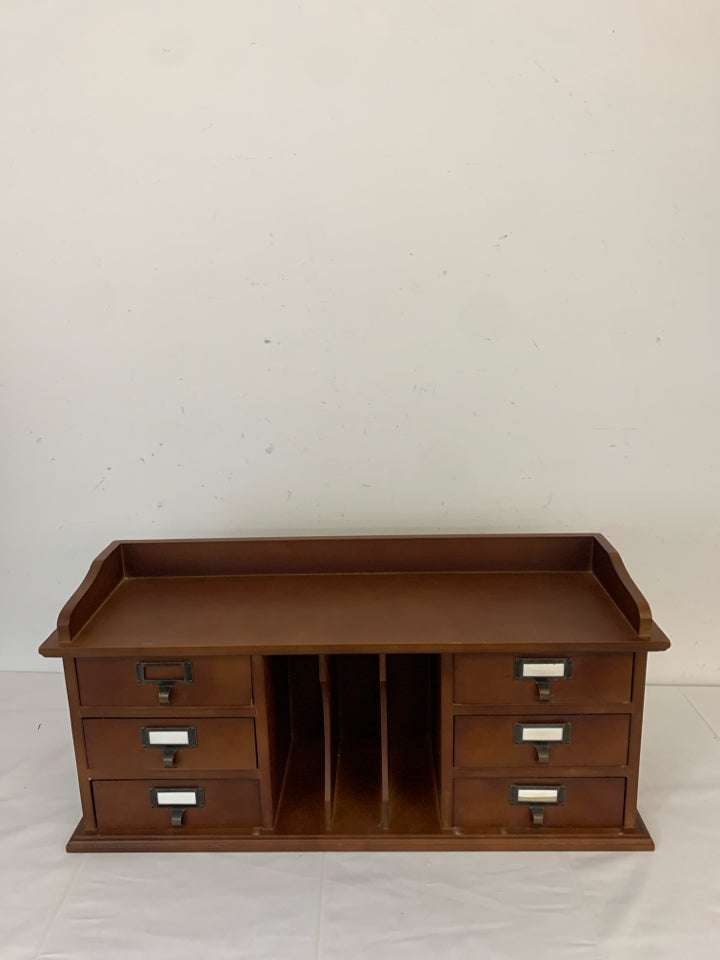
pixel 493 678
pixel 153 745
pixel 148 806
pixel 588 802
pixel 191 681
pixel 544 741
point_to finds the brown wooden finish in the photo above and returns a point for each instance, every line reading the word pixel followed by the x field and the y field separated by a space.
pixel 222 744
pixel 590 802
pixel 446 739
pixel 435 724
pixel 358 795
pixel 268 791
pixel 372 554
pixel 411 687
pixel 329 739
pixel 216 680
pixel 371 613
pixel 413 796
pixel 86 799
pixel 302 810
pixel 105 573
pixel 273 725
pixel 610 571
pixel 527 589
pixel 631 814
pixel 356 693
pixel 384 749
pixel 487 839
pixel 489 678
pixel 123 806
pixel 170 712
pixel 597 740
pixel 358 781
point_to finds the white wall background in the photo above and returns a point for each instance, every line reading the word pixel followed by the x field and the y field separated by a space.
pixel 361 266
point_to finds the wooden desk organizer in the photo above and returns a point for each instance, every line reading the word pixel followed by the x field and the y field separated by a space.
pixel 358 693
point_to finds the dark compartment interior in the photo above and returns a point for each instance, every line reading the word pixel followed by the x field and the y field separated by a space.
pixel 361 750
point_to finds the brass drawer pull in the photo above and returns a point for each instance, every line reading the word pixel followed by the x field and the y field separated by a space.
pixel 537 798
pixel 162 674
pixel 177 799
pixel 169 740
pixel 543 671
pixel 542 736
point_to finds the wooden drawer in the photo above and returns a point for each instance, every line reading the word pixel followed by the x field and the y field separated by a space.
pixel 588 802
pixel 196 744
pixel 591 740
pixel 191 681
pixel 491 678
pixel 126 806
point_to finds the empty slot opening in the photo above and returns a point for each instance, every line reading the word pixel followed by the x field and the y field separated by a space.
pixel 357 800
pixel 412 732
pixel 347 740
pixel 301 801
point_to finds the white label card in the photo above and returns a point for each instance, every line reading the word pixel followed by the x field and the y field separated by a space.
pixel 538 795
pixel 176 798
pixel 544 734
pixel 556 669
pixel 170 738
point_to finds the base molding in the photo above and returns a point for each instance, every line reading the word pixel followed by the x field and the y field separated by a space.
pixel 539 839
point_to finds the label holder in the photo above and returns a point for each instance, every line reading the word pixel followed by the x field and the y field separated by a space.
pixel 537 797
pixel 543 671
pixel 547 735
pixel 165 684
pixel 169 740
pixel 177 800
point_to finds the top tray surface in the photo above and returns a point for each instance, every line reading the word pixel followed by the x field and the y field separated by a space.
pixel 356 594
pixel 359 611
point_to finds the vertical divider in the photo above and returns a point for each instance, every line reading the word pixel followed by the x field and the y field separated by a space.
pixel 269 790
pixel 446 733
pixel 384 749
pixel 330 752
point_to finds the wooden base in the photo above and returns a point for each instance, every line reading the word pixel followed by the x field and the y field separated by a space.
pixel 537 839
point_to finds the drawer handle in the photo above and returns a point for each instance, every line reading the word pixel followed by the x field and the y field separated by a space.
pixel 543 671
pixel 542 736
pixel 177 800
pixel 169 740
pixel 162 675
pixel 537 798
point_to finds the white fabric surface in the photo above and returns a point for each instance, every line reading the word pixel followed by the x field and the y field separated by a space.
pixel 343 906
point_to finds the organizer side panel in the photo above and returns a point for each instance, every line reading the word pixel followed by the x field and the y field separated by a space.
pixel 86 797
pixel 638 695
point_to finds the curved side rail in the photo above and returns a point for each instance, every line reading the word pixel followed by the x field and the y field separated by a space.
pixel 106 571
pixel 610 571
